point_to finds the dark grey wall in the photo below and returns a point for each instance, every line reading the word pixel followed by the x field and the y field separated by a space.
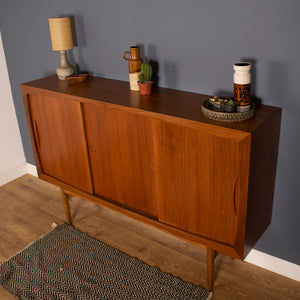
pixel 195 44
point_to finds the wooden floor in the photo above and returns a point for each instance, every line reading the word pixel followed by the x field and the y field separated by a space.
pixel 28 207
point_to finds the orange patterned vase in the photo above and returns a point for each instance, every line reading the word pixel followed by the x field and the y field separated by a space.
pixel 242 83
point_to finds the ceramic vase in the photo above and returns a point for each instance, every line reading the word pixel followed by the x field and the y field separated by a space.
pixel 134 66
pixel 242 84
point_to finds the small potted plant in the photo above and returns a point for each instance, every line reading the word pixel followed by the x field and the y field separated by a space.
pixel 145 83
pixel 230 106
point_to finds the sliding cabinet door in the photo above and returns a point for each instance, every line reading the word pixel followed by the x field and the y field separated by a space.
pixel 121 153
pixel 202 178
pixel 60 140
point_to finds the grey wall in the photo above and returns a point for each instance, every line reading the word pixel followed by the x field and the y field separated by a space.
pixel 195 44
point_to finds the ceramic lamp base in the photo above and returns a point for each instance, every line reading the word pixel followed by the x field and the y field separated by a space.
pixel 65 69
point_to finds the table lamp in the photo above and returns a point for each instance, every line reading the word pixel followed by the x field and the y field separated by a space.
pixel 61 37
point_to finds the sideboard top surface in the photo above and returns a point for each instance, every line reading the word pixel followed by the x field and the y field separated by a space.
pixel 165 101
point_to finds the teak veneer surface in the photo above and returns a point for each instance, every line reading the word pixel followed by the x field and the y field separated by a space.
pixel 157 155
pixel 199 190
pixel 126 173
pixel 58 133
pixel 171 102
pixel 157 159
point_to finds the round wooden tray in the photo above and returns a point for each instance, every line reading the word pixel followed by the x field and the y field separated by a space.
pixel 75 78
pixel 224 116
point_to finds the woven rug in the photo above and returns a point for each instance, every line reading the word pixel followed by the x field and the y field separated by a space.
pixel 67 264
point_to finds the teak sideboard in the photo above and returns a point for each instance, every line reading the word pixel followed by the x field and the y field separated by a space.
pixel 157 159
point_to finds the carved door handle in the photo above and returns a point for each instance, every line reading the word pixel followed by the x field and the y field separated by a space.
pixel 92 148
pixel 234 191
pixel 36 133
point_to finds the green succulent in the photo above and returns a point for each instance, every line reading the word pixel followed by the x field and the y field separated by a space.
pixel 230 102
pixel 146 73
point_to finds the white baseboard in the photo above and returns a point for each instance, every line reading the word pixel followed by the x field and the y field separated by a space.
pixel 13 173
pixel 31 169
pixel 17 172
pixel 274 264
pixel 255 257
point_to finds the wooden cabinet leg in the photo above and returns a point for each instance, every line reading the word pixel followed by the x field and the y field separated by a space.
pixel 65 200
pixel 210 256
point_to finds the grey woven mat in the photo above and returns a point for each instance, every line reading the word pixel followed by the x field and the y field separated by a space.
pixel 67 264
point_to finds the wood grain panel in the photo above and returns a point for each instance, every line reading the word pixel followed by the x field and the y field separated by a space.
pixel 264 152
pixel 198 179
pixel 162 101
pixel 60 140
pixel 121 152
pixel 159 156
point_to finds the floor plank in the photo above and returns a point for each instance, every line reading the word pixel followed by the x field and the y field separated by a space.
pixel 29 206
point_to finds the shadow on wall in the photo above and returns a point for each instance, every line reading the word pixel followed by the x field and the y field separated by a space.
pixel 254 98
pixel 252 61
pixel 170 68
pixel 224 93
pixel 152 61
pixel 79 41
pixel 142 51
pixel 277 82
pixel 171 74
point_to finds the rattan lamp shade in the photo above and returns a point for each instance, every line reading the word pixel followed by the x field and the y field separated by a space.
pixel 61 33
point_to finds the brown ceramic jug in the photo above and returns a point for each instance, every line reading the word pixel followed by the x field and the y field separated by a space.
pixel 134 59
